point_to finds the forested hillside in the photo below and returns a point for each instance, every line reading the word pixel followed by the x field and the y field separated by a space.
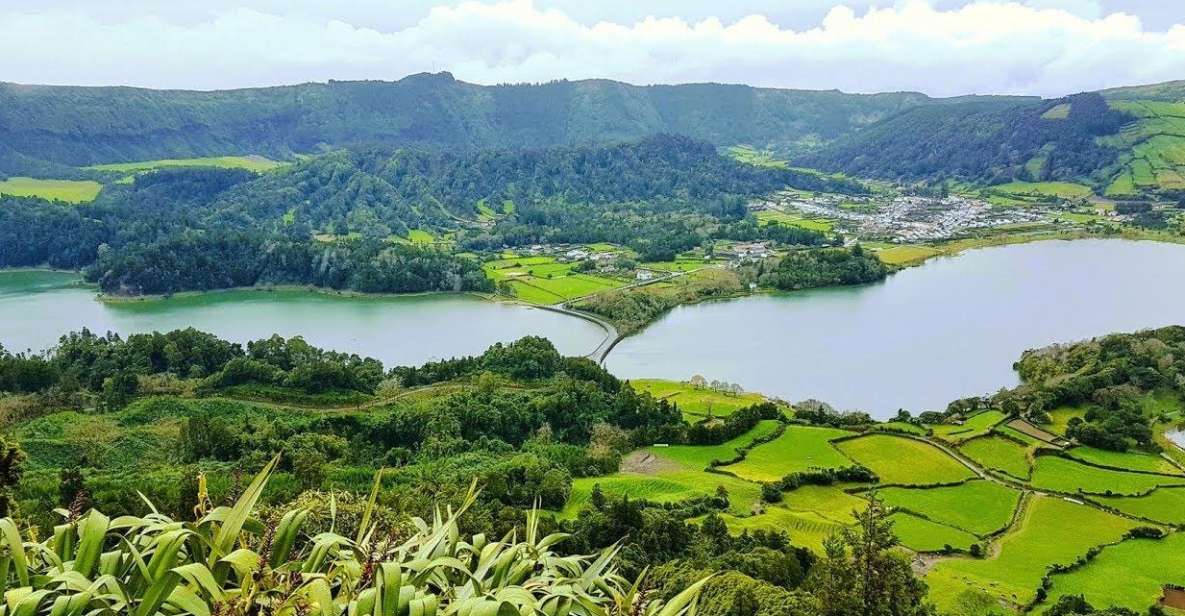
pixel 984 141
pixel 338 220
pixel 44 130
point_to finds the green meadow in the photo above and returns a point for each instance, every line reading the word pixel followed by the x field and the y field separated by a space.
pixel 1131 575
pixel 69 191
pixel 1051 531
pixel 1061 475
pixel 1165 505
pixel 977 425
pixel 257 164
pixel 544 280
pixel 799 448
pixel 977 507
pixel 697 403
pixel 771 217
pixel 905 461
pixel 921 535
pixel 999 454
pixel 1128 460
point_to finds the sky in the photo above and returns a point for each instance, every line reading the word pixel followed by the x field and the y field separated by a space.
pixel 940 47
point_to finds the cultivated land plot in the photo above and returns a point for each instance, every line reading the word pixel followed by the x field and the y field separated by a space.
pixel 906 255
pixel 1062 475
pixel 665 486
pixel 799 448
pixel 922 535
pixel 1130 460
pixel 543 280
pixel 809 514
pixel 1131 574
pixel 1064 190
pixel 699 456
pixel 70 191
pixel 1165 505
pixel 1051 531
pixel 978 507
pixel 697 403
pixel 772 217
pixel 901 426
pixel 257 164
pixel 905 461
pixel 999 454
pixel 977 425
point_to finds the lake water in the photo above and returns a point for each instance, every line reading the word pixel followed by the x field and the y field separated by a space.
pixel 927 335
pixel 37 307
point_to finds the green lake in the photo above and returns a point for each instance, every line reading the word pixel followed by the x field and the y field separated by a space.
pixel 37 307
pixel 927 335
pixel 947 329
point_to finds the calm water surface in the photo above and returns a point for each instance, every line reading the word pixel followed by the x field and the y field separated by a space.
pixel 37 307
pixel 927 335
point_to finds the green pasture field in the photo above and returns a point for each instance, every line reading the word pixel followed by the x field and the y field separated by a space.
pixel 1131 574
pixel 905 461
pixel 769 217
pixel 906 255
pixel 699 456
pixel 1165 505
pixel 1060 417
pixel 1062 475
pixel 257 164
pixel 1051 531
pixel 977 425
pixel 752 156
pixel 810 514
pixel 978 507
pixel 679 265
pixel 1063 190
pixel 922 535
pixel 999 454
pixel 799 448
pixel 697 403
pixel 668 486
pixel 1129 460
pixel 420 236
pixel 543 280
pixel 1057 112
pixel 1017 434
pixel 69 191
pixel 901 426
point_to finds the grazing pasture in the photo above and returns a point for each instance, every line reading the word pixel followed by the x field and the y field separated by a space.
pixel 905 461
pixel 906 255
pixel 1051 531
pixel 1165 505
pixel 1061 475
pixel 776 217
pixel 1131 574
pixel 978 507
pixel 258 164
pixel 809 514
pixel 544 280
pixel 977 425
pixel 665 486
pixel 69 191
pixel 999 454
pixel 922 535
pixel 1060 417
pixel 1129 460
pixel 799 448
pixel 700 456
pixel 697 402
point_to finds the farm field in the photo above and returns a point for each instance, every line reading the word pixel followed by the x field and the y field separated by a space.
pixel 1063 190
pixel 809 514
pixel 1061 475
pixel 543 280
pixel 901 426
pixel 697 402
pixel 905 461
pixel 999 454
pixel 1145 566
pixel 1130 460
pixel 69 191
pixel 257 164
pixel 977 425
pixel 921 535
pixel 1060 417
pixel 906 255
pixel 1051 531
pixel 799 448
pixel 667 486
pixel 978 507
pixel 700 456
pixel 1165 505
pixel 770 217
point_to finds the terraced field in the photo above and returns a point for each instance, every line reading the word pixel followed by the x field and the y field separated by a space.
pixel 1051 531
pixel 800 448
pixel 999 453
pixel 905 461
pixel 978 507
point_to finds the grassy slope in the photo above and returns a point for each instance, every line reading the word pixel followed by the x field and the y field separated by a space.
pixel 923 535
pixel 900 460
pixel 1052 531
pixel 258 164
pixel 1129 575
pixel 1166 505
pixel 999 454
pixel 70 191
pixel 978 507
pixel 1062 475
pixel 798 449
pixel 697 402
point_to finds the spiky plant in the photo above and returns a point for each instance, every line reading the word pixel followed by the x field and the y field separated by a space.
pixel 229 564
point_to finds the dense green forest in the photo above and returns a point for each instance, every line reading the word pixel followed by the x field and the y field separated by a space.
pixel 982 141
pixel 808 269
pixel 46 131
pixel 331 221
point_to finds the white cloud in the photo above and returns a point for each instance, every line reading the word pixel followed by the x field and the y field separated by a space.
pixel 1045 47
